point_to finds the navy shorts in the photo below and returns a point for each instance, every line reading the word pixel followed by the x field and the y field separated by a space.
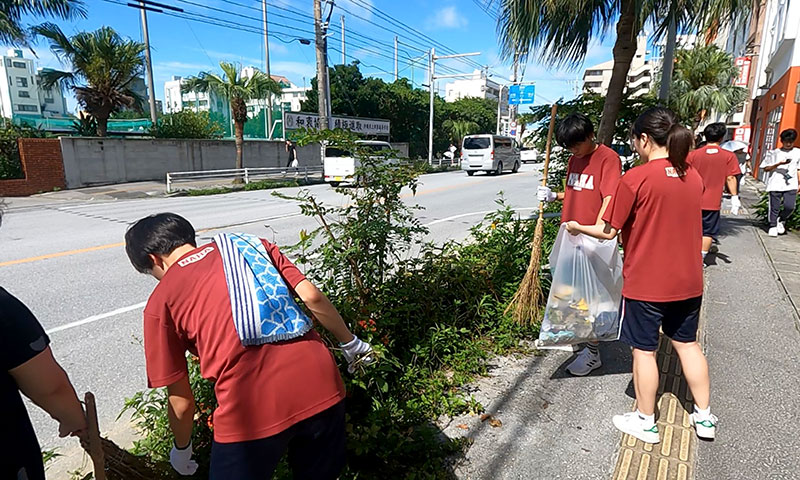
pixel 710 223
pixel 639 321
pixel 316 449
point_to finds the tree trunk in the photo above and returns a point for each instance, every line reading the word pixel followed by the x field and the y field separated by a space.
pixel 102 126
pixel 624 50
pixel 238 134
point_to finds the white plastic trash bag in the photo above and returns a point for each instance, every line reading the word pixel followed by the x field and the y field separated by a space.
pixel 585 293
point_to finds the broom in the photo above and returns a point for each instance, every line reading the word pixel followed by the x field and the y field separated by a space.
pixel 110 462
pixel 526 301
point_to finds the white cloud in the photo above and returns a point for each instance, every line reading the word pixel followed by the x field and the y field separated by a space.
pixel 182 66
pixel 447 17
pixel 277 48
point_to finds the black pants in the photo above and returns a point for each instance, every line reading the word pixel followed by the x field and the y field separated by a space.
pixel 316 448
pixel 776 199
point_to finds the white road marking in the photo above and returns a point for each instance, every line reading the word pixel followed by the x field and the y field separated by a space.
pixel 95 318
pixel 462 215
pixel 129 308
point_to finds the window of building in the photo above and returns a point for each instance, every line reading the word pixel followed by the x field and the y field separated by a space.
pixel 18 64
pixel 593 84
pixel 27 108
pixel 24 94
pixel 593 73
pixel 49 100
pixel 22 82
pixel 203 103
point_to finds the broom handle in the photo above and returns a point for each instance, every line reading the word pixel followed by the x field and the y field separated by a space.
pixel 547 152
pixel 95 449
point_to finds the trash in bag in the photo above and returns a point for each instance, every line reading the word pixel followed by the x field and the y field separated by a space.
pixel 585 293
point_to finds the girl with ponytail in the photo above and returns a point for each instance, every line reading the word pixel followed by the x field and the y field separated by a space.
pixel 657 209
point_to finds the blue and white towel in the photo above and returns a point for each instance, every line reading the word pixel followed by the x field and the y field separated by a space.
pixel 264 310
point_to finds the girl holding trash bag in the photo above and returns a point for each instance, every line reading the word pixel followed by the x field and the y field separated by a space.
pixel 657 207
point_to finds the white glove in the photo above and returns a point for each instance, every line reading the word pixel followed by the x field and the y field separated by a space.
pixel 181 460
pixel 544 194
pixel 736 204
pixel 355 350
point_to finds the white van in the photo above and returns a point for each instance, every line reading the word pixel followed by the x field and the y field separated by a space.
pixel 340 165
pixel 489 153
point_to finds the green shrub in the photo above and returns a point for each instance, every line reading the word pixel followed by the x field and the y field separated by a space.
pixel 10 163
pixel 187 124
pixel 434 314
pixel 762 213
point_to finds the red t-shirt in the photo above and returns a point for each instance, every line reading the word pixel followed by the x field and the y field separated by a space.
pixel 590 179
pixel 714 164
pixel 661 222
pixel 261 390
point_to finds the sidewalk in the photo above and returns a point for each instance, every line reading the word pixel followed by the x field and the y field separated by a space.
pixel 555 426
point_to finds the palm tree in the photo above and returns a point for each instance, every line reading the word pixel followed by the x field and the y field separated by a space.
pixel 702 84
pixel 104 66
pixel 560 32
pixel 237 89
pixel 12 32
pixel 458 129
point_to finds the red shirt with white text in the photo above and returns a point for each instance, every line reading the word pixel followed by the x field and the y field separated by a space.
pixel 714 165
pixel 660 218
pixel 261 390
pixel 590 179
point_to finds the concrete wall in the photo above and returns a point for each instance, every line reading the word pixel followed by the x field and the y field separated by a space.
pixel 41 165
pixel 99 161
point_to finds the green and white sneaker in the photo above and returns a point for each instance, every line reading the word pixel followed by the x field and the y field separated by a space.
pixel 632 424
pixel 706 428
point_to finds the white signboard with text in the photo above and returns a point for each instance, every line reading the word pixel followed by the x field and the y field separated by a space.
pixel 366 126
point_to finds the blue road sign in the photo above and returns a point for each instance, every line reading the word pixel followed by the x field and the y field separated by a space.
pixel 528 92
pixel 514 95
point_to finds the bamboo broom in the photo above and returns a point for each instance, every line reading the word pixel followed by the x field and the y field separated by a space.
pixel 526 301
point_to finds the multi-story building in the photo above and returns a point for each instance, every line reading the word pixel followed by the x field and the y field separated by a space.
pixel 21 93
pixel 640 76
pixel 776 90
pixel 479 86
pixel 175 100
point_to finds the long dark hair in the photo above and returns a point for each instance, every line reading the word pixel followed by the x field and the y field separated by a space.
pixel 662 125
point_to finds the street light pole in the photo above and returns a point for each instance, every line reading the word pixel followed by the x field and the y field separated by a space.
pixel 151 90
pixel 395 57
pixel 431 81
pixel 268 116
pixel 344 57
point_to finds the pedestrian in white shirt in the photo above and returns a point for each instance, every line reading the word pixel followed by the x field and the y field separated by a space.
pixel 783 183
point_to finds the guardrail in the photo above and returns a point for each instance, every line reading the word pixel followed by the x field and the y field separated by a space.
pixel 247 174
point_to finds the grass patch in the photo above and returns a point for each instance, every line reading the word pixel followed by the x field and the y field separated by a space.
pixel 258 185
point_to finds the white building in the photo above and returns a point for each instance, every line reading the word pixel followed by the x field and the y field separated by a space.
pixel 21 93
pixel 478 86
pixel 175 100
pixel 292 96
pixel 640 76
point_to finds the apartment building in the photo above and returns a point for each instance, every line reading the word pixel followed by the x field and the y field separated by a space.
pixel 21 93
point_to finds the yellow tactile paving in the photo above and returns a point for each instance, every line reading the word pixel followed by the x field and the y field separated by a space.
pixel 674 457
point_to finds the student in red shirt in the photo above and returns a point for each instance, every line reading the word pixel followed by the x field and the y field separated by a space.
pixel 272 397
pixel 717 167
pixel 593 173
pixel 657 208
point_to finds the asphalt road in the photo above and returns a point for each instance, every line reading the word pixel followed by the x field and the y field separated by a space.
pixel 66 261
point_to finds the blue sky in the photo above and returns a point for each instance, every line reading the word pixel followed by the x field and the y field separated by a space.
pixel 185 47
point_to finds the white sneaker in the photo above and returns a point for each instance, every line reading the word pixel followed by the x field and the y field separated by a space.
pixel 632 424
pixel 773 232
pixel 585 362
pixel 705 428
pixel 781 228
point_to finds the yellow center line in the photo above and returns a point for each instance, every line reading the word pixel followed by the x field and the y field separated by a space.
pixel 122 244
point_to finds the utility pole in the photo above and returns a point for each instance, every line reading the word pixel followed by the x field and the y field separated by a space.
pixel 321 43
pixel 431 79
pixel 151 89
pixel 395 57
pixel 268 116
pixel 667 62
pixel 344 57
pixel 512 109
pixel 431 88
